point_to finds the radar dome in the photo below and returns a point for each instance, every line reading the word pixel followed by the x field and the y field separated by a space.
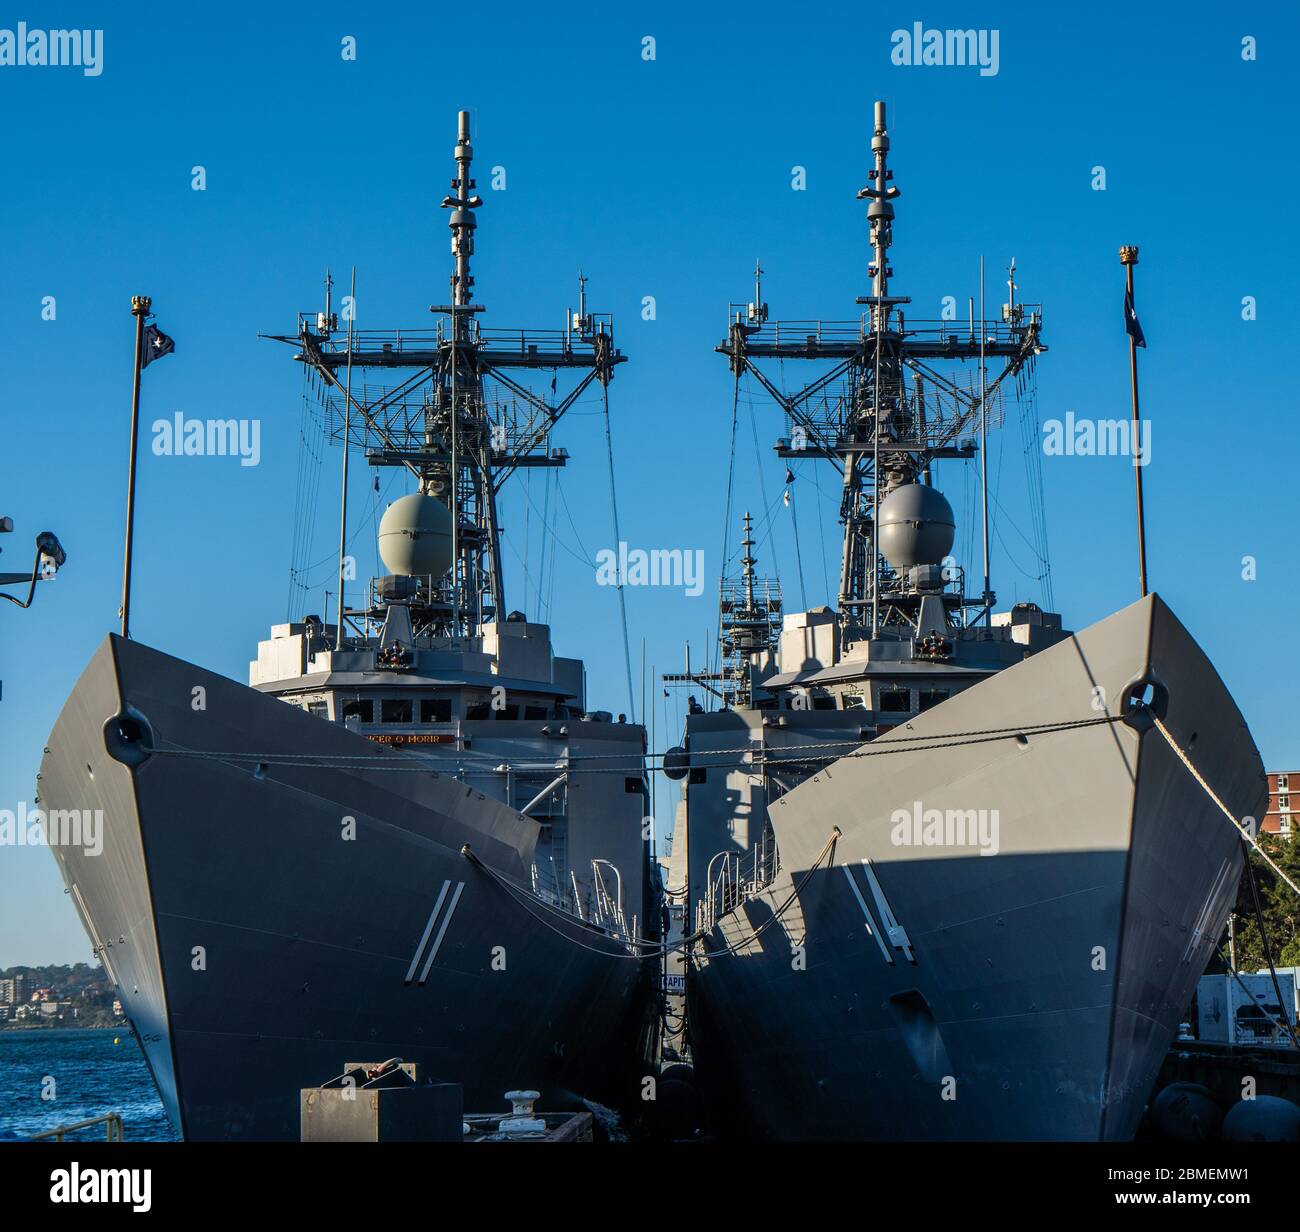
pixel 415 536
pixel 916 526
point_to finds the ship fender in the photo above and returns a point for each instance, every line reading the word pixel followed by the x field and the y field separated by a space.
pixel 1266 1118
pixel 1186 1112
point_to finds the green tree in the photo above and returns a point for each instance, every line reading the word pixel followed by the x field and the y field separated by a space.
pixel 1279 904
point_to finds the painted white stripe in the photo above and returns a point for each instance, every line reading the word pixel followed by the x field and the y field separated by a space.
pixel 897 933
pixel 96 940
pixel 428 928
pixel 1203 920
pixel 862 902
pixel 437 941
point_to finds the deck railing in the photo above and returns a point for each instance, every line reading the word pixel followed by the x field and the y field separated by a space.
pixel 112 1122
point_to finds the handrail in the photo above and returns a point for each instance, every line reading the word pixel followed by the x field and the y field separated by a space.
pixel 611 909
pixel 112 1122
pixel 725 890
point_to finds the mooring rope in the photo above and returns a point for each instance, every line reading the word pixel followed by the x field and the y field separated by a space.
pixel 651 949
pixel 1223 808
pixel 412 764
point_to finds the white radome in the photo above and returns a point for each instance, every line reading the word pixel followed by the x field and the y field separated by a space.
pixel 415 536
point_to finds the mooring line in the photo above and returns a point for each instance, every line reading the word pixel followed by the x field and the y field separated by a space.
pixel 1223 808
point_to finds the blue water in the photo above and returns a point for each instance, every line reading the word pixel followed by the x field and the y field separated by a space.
pixel 94 1071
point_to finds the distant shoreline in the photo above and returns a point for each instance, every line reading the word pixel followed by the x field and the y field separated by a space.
pixel 124 1028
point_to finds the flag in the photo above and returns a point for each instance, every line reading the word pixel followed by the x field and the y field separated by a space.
pixel 155 345
pixel 787 498
pixel 1131 325
pixel 789 475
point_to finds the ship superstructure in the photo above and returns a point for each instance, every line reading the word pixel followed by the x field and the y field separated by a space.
pixel 411 836
pixel 949 882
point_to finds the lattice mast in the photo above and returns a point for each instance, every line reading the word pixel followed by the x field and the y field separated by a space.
pixel 883 413
pixel 749 621
pixel 443 403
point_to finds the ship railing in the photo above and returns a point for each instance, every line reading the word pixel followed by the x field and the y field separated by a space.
pixel 111 1121
pixel 604 907
pixel 732 879
pixel 607 908
pixel 419 342
pixel 963 332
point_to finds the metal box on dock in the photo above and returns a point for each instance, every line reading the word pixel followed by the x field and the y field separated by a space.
pixel 357 1111
pixel 1243 1010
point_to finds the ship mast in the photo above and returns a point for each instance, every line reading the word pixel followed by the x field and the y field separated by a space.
pixel 446 404
pixel 884 411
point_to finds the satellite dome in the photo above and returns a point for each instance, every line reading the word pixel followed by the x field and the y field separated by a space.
pixel 415 536
pixel 916 526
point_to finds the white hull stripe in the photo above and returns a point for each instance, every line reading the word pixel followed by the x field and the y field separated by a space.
pixel 1203 921
pixel 428 928
pixel 897 933
pixel 442 931
pixel 862 902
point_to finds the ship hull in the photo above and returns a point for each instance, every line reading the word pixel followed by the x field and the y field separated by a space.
pixel 267 923
pixel 1029 993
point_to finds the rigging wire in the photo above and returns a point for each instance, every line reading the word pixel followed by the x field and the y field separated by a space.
pixel 618 541
pixel 798 555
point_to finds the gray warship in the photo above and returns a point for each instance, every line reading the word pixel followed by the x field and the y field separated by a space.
pixel 408 835
pixel 944 872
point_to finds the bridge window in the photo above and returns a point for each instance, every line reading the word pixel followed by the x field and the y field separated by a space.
pixel 926 699
pixel 534 712
pixel 435 710
pixel 895 700
pixel 395 710
pixel 359 708
pixel 478 710
pixel 319 708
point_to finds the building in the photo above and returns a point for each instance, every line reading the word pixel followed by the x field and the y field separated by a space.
pixel 13 991
pixel 1282 804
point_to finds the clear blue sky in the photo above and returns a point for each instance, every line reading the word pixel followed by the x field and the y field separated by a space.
pixel 663 178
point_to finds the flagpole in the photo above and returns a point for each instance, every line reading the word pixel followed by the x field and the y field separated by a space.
pixel 140 305
pixel 1128 257
pixel 347 433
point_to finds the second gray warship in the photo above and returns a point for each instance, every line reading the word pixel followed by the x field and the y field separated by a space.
pixel 397 839
pixel 945 869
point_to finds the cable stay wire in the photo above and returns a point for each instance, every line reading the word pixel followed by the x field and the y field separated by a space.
pixel 618 541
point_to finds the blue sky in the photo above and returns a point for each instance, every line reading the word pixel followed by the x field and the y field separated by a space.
pixel 664 178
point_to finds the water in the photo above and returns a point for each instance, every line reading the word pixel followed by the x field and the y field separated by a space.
pixel 94 1071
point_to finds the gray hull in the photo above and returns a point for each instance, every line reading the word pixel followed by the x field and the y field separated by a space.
pixel 257 948
pixel 1044 982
